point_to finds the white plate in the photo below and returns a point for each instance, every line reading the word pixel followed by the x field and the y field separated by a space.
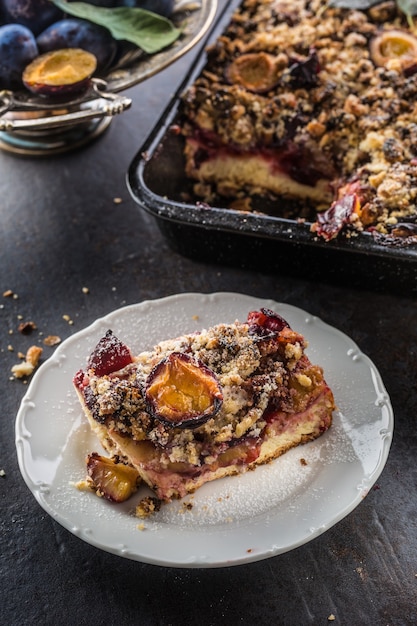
pixel 234 520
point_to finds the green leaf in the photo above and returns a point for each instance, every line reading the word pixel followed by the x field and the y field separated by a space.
pixel 148 31
pixel 360 5
pixel 409 7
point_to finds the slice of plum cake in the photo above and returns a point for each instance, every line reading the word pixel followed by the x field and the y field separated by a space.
pixel 203 405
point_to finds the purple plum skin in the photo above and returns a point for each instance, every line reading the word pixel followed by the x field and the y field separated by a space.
pixel 78 33
pixel 17 49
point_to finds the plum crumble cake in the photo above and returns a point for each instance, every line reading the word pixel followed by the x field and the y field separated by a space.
pixel 305 100
pixel 201 406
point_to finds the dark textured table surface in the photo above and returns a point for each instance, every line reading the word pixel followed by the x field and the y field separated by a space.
pixel 60 231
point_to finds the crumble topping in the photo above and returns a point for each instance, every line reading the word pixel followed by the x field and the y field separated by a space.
pixel 201 406
pixel 332 117
pixel 247 368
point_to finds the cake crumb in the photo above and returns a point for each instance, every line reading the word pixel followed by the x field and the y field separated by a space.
pixel 52 340
pixel 84 485
pixel 303 461
pixel 26 327
pixel 141 526
pixel 8 293
pixel 33 355
pixel 2 472
pixel 147 506
pixel 331 618
pixel 27 367
pixel 85 290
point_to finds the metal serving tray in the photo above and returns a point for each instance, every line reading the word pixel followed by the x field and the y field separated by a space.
pixel 265 242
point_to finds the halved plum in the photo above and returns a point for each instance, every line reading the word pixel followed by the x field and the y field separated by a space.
pixel 112 480
pixel 395 46
pixel 255 71
pixel 109 355
pixel 60 72
pixel 183 392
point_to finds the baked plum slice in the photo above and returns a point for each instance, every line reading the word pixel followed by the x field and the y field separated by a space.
pixel 255 71
pixel 112 480
pixel 183 392
pixel 110 355
pixel 395 49
pixel 60 72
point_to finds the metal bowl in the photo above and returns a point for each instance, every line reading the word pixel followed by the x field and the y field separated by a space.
pixel 34 125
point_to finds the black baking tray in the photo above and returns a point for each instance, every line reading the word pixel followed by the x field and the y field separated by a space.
pixel 267 243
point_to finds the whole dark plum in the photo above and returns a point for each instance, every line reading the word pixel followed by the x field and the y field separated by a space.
pixel 161 7
pixel 77 33
pixel 34 14
pixel 17 49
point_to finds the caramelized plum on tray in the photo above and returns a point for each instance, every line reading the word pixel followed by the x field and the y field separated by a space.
pixel 395 49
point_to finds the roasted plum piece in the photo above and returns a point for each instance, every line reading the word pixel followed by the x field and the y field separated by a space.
pixel 395 49
pixel 161 7
pixel 110 479
pixel 17 49
pixel 34 14
pixel 109 355
pixel 77 33
pixel 60 72
pixel 256 71
pixel 182 392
